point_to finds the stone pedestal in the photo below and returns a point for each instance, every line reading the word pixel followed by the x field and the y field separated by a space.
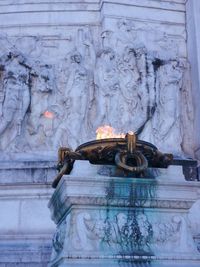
pixel 113 221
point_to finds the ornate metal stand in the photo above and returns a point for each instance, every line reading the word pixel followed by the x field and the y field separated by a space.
pixel 127 153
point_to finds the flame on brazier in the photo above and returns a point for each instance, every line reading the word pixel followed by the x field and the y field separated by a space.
pixel 106 131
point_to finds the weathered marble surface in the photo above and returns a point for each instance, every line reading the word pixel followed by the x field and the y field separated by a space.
pixel 192 24
pixel 119 221
pixel 126 71
pixel 25 225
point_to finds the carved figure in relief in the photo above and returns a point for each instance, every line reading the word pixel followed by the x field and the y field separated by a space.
pixel 166 122
pixel 107 84
pixel 76 101
pixel 126 34
pixel 164 128
pixel 132 73
pixel 79 92
pixel 40 122
pixel 129 74
pixel 42 86
pixel 15 100
pixel 80 234
pixel 86 48
pixel 107 39
pixel 146 231
pixel 124 88
pixel 173 235
pixel 61 137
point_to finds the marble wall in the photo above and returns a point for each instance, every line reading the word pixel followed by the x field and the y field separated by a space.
pixel 67 68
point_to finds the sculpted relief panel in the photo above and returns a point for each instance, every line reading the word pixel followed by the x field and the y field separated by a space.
pixel 125 232
pixel 51 97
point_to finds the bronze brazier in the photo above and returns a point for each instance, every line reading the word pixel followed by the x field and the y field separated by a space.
pixel 128 154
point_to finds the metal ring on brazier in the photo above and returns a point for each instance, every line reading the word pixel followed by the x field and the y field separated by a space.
pixel 121 159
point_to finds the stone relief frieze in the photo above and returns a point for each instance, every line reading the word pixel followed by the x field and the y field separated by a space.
pixel 114 77
pixel 132 232
pixel 123 233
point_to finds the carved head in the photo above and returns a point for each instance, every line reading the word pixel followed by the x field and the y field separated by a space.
pixel 129 54
pixel 76 57
pixel 115 87
pixel 125 25
pixel 106 34
pixel 16 78
pixel 107 53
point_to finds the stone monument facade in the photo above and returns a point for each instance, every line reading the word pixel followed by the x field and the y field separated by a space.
pixel 67 68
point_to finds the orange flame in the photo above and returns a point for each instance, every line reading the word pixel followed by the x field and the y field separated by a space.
pixel 48 114
pixel 106 131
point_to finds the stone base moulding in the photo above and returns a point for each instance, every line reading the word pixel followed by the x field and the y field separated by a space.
pixel 112 221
